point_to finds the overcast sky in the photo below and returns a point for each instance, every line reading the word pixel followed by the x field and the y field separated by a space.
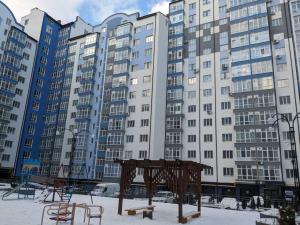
pixel 92 11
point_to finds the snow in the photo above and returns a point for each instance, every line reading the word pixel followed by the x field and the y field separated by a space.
pixel 29 212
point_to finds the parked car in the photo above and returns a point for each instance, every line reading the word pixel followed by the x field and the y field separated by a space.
pixel 255 200
pixel 207 199
pixel 164 196
pixel 106 190
pixel 229 203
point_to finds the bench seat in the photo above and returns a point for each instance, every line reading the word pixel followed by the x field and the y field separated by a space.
pixel 190 215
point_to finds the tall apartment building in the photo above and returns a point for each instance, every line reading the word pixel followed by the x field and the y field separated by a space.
pixel 77 68
pixel 17 54
pixel 45 119
pixel 200 84
pixel 134 93
pixel 231 66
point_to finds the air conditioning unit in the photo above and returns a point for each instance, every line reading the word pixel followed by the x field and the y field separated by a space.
pixel 230 94
pixel 278 56
pixel 224 67
pixel 196 71
pixel 209 112
pixel 275 42
pixel 260 163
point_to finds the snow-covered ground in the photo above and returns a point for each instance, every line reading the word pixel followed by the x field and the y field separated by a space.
pixel 29 212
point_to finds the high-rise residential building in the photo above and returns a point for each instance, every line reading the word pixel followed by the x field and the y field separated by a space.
pixel 199 84
pixel 231 66
pixel 45 119
pixel 17 54
pixel 134 93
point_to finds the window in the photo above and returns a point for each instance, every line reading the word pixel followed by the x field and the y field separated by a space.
pixel 129 138
pixel 225 90
pixel 191 123
pixel 191 94
pixel 208 138
pixel 144 123
pixel 284 100
pixel 206 13
pixel 286 136
pixel 191 138
pixel 137 30
pixel 148 52
pixel 135 55
pixel 142 154
pixel 5 157
pixel 133 81
pixel 227 171
pixel 192 81
pixel 289 173
pixel 207 92
pixel 206 64
pixel 8 143
pixel 147 79
pixel 13 117
pixel 130 123
pixel 191 154
pixel 207 122
pixel 18 91
pixel 132 95
pixel 283 83
pixel 226 137
pixel 28 142
pixel 146 93
pixel 149 39
pixel 136 42
pixel 207 78
pixel 147 65
pixel 288 154
pixel 149 26
pixel 208 171
pixel 128 155
pixel 227 154
pixel 131 109
pixel 16 104
pixel 192 108
pixel 145 108
pixel 207 108
pixel 226 121
pixel 225 105
pixel 208 154
pixel 143 138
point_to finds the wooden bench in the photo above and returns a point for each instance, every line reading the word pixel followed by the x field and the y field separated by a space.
pixel 188 216
pixel 133 211
pixel 148 213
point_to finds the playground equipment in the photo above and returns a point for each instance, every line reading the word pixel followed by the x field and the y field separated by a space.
pixel 26 189
pixel 64 212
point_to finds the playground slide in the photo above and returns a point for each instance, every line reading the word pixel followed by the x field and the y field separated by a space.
pixel 15 190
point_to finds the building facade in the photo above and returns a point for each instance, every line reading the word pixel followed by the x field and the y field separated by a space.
pixel 231 66
pixel 17 54
pixel 200 84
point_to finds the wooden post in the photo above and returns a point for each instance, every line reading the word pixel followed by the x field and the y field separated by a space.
pixel 199 192
pixel 73 213
pixel 150 188
pixel 180 200
pixel 122 187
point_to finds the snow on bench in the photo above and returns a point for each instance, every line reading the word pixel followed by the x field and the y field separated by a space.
pixel 133 211
pixel 190 215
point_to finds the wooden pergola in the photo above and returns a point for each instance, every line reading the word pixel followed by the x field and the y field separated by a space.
pixel 177 175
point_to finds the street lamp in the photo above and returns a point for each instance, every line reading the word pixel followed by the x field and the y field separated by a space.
pixel 274 120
